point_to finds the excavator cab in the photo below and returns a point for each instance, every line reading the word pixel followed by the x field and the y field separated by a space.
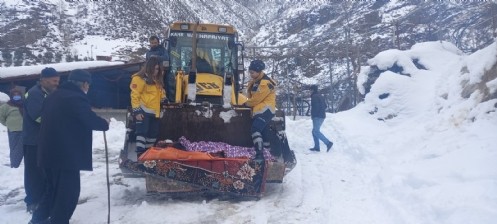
pixel 205 60
pixel 203 86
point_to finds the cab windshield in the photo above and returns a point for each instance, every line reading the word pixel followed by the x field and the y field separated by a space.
pixel 213 54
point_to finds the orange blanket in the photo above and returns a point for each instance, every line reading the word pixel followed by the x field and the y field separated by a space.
pixel 170 153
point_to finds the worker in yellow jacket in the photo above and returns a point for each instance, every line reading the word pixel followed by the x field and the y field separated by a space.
pixel 147 94
pixel 261 92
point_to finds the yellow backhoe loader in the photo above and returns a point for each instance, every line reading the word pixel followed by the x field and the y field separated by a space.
pixel 203 82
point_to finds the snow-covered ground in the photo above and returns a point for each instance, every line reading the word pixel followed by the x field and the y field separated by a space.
pixel 424 154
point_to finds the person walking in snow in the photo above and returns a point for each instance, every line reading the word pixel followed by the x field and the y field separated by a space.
pixel 65 147
pixel 318 107
pixel 147 94
pixel 11 117
pixel 261 92
pixel 34 178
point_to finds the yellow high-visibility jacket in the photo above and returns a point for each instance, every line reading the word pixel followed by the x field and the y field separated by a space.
pixel 146 97
pixel 262 94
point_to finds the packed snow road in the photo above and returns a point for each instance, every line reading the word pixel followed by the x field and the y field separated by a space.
pixel 356 182
pixel 323 188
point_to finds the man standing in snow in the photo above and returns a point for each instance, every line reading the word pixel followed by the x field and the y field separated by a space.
pixel 65 147
pixel 318 107
pixel 34 178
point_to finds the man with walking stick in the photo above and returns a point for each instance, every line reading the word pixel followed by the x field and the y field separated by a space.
pixel 65 147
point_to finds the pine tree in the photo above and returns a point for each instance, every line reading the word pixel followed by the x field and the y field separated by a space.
pixel 18 57
pixel 58 57
pixel 69 58
pixel 7 57
pixel 48 57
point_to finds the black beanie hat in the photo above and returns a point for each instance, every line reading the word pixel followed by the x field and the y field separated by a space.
pixel 257 65
pixel 80 75
pixel 48 72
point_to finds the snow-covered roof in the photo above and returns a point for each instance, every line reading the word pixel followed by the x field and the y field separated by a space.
pixel 9 72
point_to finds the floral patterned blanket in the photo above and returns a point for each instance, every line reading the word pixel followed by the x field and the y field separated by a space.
pixel 235 173
pixel 229 151
pixel 231 176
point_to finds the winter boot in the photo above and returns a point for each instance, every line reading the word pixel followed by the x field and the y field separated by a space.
pixel 328 146
pixel 30 208
pixel 46 221
pixel 314 149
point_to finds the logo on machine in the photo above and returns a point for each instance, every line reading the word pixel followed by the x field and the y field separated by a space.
pixel 206 86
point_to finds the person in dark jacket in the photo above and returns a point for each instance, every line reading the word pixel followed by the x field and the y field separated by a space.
pixel 65 147
pixel 318 107
pixel 157 49
pixel 204 62
pixel 34 178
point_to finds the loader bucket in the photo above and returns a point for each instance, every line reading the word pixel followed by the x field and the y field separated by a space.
pixel 190 175
pixel 207 123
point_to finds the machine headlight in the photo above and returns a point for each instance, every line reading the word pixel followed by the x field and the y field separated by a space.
pixel 184 26
pixel 222 29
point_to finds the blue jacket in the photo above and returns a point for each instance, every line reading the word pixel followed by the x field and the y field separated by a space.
pixel 318 106
pixel 159 51
pixel 66 131
pixel 32 115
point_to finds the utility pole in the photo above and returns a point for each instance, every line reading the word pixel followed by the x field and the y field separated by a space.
pixel 347 39
pixel 331 86
pixel 396 30
pixel 295 108
pixel 494 22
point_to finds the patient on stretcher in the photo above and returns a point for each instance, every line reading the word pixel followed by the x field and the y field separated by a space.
pixel 214 149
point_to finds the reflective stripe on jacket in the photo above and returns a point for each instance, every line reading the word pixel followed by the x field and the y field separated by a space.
pixel 33 105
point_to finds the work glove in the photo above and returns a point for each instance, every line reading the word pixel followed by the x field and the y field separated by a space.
pixel 138 111
pixel 164 101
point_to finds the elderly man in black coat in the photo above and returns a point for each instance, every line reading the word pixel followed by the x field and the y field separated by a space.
pixel 65 146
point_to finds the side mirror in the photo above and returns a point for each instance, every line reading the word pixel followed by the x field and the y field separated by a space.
pixel 229 79
pixel 240 46
pixel 231 44
pixel 173 41
pixel 192 77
